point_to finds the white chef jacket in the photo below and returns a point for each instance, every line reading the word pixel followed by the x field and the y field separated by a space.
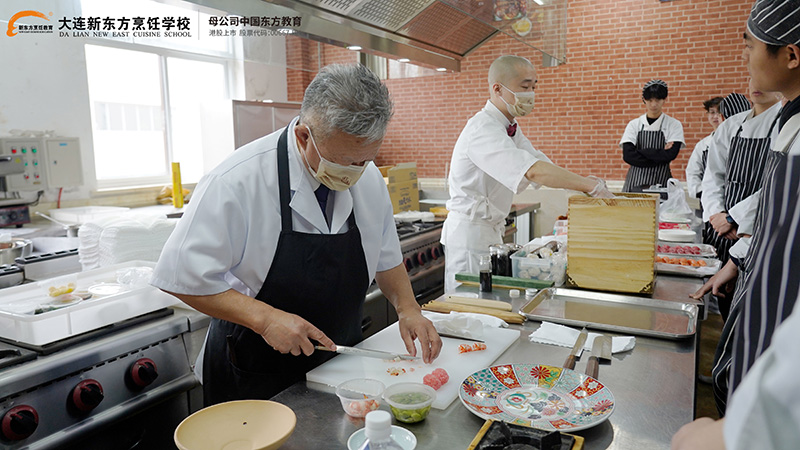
pixel 671 127
pixel 694 168
pixel 713 199
pixel 232 224
pixel 487 168
pixel 763 412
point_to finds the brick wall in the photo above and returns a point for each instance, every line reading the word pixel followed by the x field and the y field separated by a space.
pixel 582 107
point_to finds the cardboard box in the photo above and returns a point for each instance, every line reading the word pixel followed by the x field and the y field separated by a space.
pixel 404 195
pixel 402 172
pixel 612 243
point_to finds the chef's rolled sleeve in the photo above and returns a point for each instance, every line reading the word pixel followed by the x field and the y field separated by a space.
pixel 744 213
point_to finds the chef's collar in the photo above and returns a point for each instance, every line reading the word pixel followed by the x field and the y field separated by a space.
pixel 300 161
pixel 495 112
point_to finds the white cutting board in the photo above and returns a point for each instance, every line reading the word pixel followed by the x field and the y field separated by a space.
pixel 458 365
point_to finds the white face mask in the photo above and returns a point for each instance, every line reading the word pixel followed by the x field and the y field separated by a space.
pixel 336 176
pixel 523 102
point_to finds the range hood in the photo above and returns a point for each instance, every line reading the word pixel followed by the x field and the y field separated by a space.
pixel 433 33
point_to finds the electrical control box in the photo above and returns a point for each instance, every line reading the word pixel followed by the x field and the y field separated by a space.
pixel 44 162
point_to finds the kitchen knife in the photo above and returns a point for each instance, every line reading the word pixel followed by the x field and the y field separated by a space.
pixel 601 349
pixel 368 353
pixel 576 349
pixel 455 336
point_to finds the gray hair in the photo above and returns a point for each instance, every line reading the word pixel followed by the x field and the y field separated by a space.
pixel 349 98
pixel 507 67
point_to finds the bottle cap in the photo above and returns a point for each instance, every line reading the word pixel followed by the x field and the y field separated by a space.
pixel 530 292
pixel 513 293
pixel 378 426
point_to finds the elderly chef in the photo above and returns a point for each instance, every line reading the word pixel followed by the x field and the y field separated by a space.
pixel 282 239
pixel 650 142
pixel 492 160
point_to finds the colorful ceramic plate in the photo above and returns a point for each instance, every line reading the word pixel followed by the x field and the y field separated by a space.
pixel 544 397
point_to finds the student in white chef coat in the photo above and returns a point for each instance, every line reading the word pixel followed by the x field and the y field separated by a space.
pixel 493 160
pixel 697 161
pixel 651 141
pixel 769 275
pixel 736 167
pixel 282 239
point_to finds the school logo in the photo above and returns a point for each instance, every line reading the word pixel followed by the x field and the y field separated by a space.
pixel 13 30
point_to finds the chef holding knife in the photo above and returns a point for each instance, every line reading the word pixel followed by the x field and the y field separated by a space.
pixel 283 238
pixel 492 160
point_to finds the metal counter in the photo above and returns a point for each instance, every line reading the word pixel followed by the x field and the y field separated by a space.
pixel 654 388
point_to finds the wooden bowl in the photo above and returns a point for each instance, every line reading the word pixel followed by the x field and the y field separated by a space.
pixel 237 425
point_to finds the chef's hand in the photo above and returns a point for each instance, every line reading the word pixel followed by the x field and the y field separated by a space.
pixel 668 145
pixel 290 333
pixel 721 284
pixel 413 325
pixel 600 189
pixel 720 223
pixel 702 434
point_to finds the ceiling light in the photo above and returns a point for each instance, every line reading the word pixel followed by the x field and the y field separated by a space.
pixel 403 60
pixel 441 69
pixel 539 2
pixel 354 48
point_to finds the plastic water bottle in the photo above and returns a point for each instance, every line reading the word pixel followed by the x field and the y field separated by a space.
pixel 378 429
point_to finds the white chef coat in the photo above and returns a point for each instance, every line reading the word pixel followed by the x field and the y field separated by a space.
pixel 763 412
pixel 487 168
pixel 694 168
pixel 713 198
pixel 671 127
pixel 232 223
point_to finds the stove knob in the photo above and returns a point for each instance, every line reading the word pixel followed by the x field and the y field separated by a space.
pixel 143 372
pixel 87 395
pixel 409 264
pixel 422 258
pixel 434 253
pixel 19 422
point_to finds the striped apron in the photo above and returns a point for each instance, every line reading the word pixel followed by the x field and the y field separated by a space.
pixel 768 283
pixel 640 178
pixel 743 176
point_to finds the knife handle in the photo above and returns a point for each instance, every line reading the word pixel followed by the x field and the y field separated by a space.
pixel 570 362
pixel 593 367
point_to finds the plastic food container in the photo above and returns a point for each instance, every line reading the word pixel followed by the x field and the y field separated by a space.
pixel 410 402
pixel 56 287
pixel 360 396
pixel 545 269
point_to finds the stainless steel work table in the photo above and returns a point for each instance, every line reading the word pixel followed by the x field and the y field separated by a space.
pixel 654 388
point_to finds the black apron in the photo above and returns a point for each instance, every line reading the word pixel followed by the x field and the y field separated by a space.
pixel 744 175
pixel 724 351
pixel 322 278
pixel 641 178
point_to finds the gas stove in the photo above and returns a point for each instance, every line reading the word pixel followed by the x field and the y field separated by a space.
pixel 117 389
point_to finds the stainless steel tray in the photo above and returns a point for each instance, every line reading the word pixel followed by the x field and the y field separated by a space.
pixel 614 312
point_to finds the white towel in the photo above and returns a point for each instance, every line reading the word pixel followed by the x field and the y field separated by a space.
pixel 554 334
pixel 469 325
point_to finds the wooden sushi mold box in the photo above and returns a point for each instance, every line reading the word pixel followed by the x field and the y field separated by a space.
pixel 612 242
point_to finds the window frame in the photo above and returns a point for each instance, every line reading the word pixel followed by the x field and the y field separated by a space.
pixel 227 61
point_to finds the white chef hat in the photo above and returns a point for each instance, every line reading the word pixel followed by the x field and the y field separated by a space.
pixel 733 104
pixel 775 22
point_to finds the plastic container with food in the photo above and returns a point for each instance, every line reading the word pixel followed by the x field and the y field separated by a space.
pixel 531 267
pixel 410 402
pixel 55 287
pixel 360 396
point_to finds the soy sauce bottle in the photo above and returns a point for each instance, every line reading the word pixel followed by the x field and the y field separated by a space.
pixel 485 267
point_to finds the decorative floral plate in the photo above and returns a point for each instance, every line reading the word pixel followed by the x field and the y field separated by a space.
pixel 544 397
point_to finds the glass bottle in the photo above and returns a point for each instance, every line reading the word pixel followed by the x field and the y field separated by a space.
pixel 485 267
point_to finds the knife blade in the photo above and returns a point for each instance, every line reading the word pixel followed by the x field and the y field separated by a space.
pixel 601 349
pixel 576 349
pixel 368 353
pixel 455 336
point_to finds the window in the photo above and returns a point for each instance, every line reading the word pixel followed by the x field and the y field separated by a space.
pixel 157 100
